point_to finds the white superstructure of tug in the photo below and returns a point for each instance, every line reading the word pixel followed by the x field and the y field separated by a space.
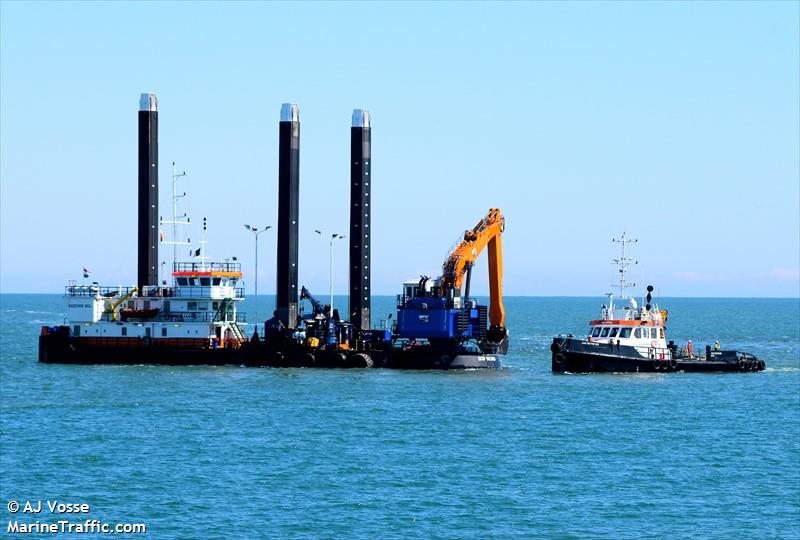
pixel 627 323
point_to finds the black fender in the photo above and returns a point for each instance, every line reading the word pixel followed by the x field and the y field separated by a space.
pixel 360 360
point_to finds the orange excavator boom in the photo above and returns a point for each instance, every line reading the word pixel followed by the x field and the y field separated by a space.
pixel 458 266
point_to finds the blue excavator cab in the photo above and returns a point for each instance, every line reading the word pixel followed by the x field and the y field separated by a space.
pixel 426 314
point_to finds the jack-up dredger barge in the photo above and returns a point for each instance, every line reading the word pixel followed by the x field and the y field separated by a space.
pixel 195 321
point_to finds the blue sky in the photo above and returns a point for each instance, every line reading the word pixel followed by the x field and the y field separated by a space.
pixel 677 122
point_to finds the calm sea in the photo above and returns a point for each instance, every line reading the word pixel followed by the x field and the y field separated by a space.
pixel 227 452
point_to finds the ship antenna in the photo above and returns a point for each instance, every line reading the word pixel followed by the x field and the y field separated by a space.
pixel 624 263
pixel 203 257
pixel 175 222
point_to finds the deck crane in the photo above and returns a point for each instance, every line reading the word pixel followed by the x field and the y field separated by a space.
pixel 319 309
pixel 436 310
pixel 326 328
pixel 114 305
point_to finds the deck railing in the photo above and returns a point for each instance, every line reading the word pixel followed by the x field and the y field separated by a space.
pixel 178 316
pixel 207 267
pixel 92 290
pixel 149 292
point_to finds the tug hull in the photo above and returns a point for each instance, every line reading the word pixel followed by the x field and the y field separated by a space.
pixel 571 355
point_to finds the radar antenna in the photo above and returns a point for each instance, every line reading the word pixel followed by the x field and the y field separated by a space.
pixel 624 263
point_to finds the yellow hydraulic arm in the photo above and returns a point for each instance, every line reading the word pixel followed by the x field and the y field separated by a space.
pixel 116 304
pixel 459 263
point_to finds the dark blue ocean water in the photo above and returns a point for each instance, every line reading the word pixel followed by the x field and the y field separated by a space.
pixel 229 452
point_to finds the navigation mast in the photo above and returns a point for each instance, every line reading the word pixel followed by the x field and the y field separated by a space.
pixel 624 263
pixel 175 221
pixel 202 257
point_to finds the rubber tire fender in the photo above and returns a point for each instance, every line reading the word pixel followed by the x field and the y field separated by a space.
pixel 673 364
pixel 559 359
pixel 276 359
pixel 742 364
pixel 360 360
pixel 340 359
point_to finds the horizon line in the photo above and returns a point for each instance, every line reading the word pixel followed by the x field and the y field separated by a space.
pixel 504 296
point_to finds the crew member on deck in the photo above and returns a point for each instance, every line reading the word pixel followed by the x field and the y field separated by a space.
pixel 716 345
pixel 689 348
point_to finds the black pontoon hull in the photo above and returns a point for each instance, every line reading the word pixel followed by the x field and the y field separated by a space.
pixel 64 349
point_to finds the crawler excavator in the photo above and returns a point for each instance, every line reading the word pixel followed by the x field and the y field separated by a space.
pixel 439 313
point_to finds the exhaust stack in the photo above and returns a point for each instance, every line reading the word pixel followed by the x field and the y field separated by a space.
pixel 360 167
pixel 288 213
pixel 147 267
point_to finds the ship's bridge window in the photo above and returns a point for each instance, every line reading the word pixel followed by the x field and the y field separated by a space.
pixel 596 331
pixel 191 306
pixel 653 333
pixel 637 333
pixel 205 281
pixel 613 332
pixel 232 282
pixel 216 280
pixel 604 333
pixel 183 282
pixel 625 332
pixel 193 281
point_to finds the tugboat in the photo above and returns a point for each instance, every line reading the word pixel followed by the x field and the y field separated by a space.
pixel 628 338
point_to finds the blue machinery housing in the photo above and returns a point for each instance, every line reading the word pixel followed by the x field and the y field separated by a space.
pixel 431 318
